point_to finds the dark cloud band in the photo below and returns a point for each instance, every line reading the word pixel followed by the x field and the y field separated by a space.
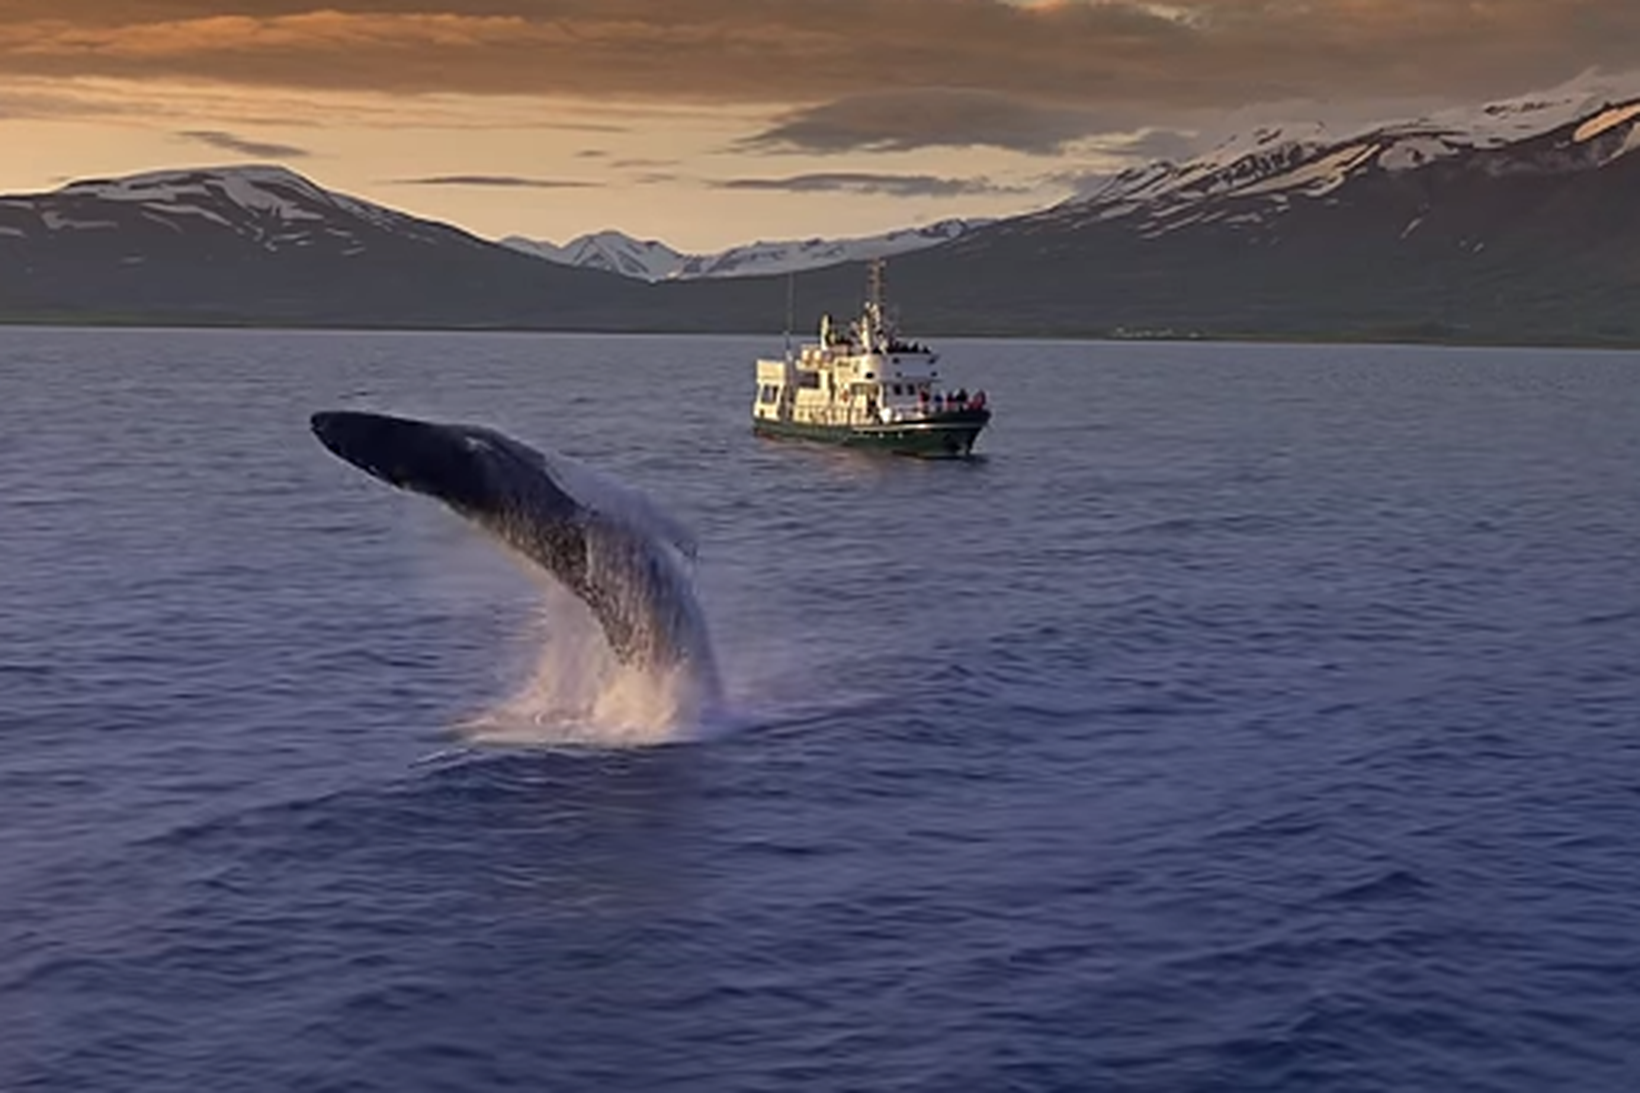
pixel 510 182
pixel 228 142
pixel 865 183
pixel 896 121
pixel 1104 55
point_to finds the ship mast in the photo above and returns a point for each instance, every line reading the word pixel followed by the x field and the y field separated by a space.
pixel 875 334
pixel 791 300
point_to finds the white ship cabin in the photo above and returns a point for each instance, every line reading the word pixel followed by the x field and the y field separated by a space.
pixel 865 375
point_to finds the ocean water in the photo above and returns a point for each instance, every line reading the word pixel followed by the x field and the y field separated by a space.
pixel 1247 718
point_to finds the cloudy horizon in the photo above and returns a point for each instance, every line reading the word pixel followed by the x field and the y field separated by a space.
pixel 708 123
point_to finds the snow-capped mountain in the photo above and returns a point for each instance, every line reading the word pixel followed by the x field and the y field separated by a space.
pixel 613 251
pixel 649 260
pixel 271 208
pixel 1278 165
pixel 260 243
pixel 1512 217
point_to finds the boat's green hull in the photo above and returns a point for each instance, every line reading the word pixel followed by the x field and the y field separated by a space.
pixel 946 436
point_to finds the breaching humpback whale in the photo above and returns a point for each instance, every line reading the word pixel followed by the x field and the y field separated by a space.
pixel 607 545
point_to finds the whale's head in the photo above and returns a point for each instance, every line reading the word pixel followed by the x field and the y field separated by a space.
pixel 472 469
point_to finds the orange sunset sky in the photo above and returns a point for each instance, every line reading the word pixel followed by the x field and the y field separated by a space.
pixel 712 122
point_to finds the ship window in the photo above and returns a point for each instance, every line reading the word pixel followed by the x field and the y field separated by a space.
pixel 808 379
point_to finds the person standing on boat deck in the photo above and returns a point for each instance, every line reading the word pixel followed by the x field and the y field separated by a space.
pixel 962 397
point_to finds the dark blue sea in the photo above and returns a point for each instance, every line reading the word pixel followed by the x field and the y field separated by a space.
pixel 1247 718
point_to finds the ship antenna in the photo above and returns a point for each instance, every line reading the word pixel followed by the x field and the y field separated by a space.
pixel 791 297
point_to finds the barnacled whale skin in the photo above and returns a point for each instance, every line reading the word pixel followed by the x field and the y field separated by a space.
pixel 604 544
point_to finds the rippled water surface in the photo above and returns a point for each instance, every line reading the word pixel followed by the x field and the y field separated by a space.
pixel 1248 718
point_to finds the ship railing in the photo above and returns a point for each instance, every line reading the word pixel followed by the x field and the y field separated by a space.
pixel 856 412
pixel 915 412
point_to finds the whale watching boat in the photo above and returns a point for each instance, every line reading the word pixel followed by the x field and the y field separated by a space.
pixel 867 387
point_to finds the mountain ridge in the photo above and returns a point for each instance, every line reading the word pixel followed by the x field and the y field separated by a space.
pixel 653 260
pixel 1517 227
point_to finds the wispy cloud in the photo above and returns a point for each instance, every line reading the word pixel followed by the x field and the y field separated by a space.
pixel 517 182
pixel 37 98
pixel 1154 144
pixel 866 183
pixel 230 142
pixel 897 121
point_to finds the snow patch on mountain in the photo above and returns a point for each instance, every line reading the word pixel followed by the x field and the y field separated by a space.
pixel 1631 143
pixel 57 221
pixel 1233 165
pixel 194 210
pixel 1610 119
pixel 1407 153
pixel 248 187
pixel 612 251
pixel 255 188
pixel 1507 120
pixel 650 260
pixel 1318 177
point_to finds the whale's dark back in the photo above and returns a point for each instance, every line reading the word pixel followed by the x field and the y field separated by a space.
pixel 628 574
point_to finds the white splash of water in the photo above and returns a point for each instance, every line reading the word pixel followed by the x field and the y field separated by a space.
pixel 638 577
pixel 578 693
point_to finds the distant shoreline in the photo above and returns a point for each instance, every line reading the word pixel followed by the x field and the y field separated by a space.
pixel 1385 338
